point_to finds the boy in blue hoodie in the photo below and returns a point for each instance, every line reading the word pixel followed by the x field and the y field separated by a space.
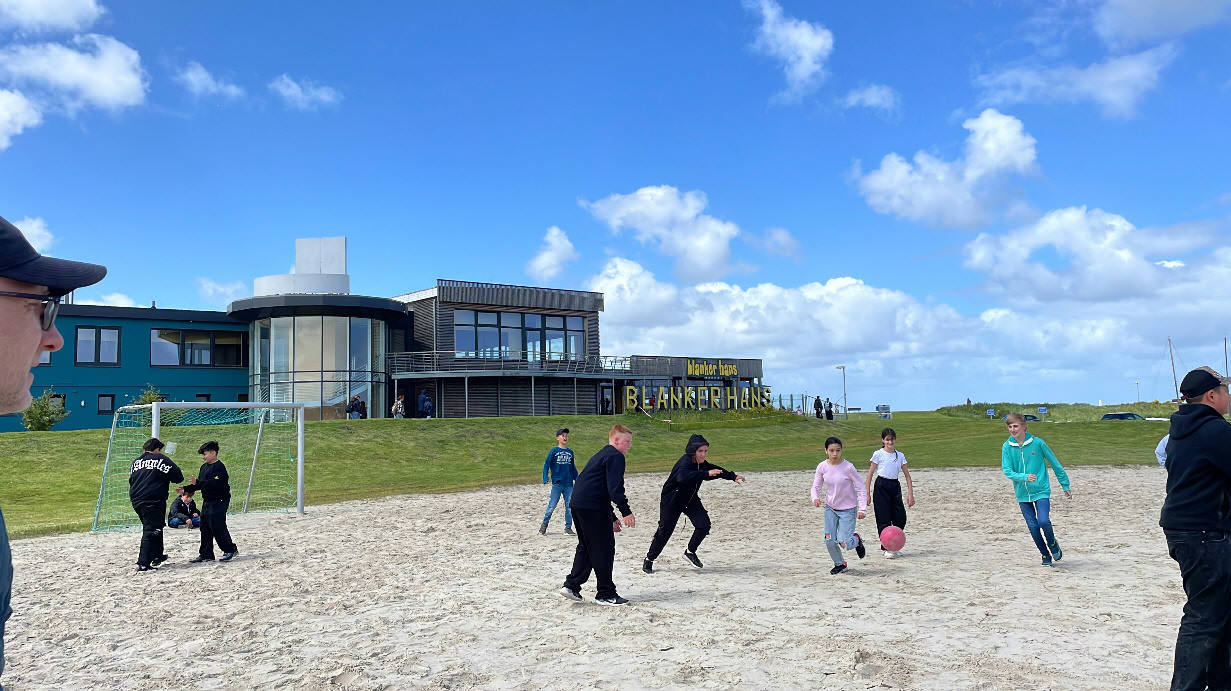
pixel 1024 459
pixel 560 469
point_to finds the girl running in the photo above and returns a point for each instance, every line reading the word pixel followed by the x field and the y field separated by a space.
pixel 886 464
pixel 846 499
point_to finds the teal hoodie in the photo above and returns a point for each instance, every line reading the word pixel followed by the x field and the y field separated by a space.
pixel 1031 457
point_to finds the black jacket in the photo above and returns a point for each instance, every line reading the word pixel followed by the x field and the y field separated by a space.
pixel 184 508
pixel 150 476
pixel 1198 471
pixel 213 482
pixel 685 481
pixel 601 483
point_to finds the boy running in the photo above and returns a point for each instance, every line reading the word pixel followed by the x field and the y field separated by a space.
pixel 215 486
pixel 148 479
pixel 1024 459
pixel 559 465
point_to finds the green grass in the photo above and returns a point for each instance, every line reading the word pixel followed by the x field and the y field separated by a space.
pixel 49 480
pixel 1059 412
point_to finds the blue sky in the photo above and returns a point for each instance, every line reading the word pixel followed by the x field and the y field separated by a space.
pixel 1009 200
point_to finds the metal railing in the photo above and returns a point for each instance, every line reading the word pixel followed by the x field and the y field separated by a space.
pixel 525 361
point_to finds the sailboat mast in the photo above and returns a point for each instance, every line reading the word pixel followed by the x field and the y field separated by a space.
pixel 1171 352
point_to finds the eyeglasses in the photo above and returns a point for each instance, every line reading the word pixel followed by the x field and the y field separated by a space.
pixel 51 306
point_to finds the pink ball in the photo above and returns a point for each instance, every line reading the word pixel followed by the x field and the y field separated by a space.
pixel 892 538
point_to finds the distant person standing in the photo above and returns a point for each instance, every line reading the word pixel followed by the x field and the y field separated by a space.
pixel 600 484
pixel 428 407
pixel 420 404
pixel 818 407
pixel 561 471
pixel 352 408
pixel 215 486
pixel 828 409
pixel 398 411
pixel 149 478
pixel 30 289
pixel 1196 520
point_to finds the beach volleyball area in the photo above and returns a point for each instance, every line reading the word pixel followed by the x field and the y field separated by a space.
pixel 460 591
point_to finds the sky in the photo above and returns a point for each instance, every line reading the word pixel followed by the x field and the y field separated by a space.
pixel 1004 200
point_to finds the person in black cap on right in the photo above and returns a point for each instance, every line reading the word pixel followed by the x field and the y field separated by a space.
pixel 1196 519
pixel 31 286
pixel 679 496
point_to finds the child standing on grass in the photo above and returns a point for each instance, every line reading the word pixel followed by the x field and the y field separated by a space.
pixel 561 469
pixel 846 499
pixel 886 464
pixel 1024 459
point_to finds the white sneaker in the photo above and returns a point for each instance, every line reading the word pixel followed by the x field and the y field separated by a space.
pixel 570 594
pixel 891 555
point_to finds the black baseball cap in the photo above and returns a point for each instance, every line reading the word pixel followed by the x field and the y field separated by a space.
pixel 1201 380
pixel 562 430
pixel 20 262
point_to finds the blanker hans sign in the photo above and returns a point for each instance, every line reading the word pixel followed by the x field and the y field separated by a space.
pixel 699 397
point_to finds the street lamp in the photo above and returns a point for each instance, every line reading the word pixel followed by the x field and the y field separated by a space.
pixel 1138 383
pixel 844 409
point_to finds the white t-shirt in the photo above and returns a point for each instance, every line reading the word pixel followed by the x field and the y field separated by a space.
pixel 888 465
pixel 1160 451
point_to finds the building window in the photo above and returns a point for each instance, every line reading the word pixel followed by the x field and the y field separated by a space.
pixel 44 357
pixel 98 345
pixel 531 336
pixel 59 400
pixel 178 348
pixel 203 398
pixel 106 403
pixel 242 398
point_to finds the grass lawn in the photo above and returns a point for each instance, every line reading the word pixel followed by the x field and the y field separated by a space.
pixel 49 480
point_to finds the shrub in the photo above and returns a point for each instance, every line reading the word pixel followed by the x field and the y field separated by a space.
pixel 44 412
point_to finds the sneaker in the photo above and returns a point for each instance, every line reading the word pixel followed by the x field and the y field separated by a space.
pixel 198 560
pixel 891 555
pixel 569 531
pixel 692 556
pixel 228 556
pixel 613 600
pixel 141 567
pixel 859 548
pixel 1046 561
pixel 571 594
pixel 837 569
pixel 543 529
pixel 158 561
pixel 1055 551
pixel 647 566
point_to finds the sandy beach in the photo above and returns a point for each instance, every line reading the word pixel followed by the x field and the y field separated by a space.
pixel 460 591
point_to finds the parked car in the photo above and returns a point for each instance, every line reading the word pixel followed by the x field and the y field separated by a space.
pixel 1121 416
pixel 1028 416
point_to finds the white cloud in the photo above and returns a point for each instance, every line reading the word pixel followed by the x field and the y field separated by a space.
pixel 100 72
pixel 780 241
pixel 801 46
pixel 1124 22
pixel 875 96
pixel 553 255
pixel 674 222
pixel 200 82
pixel 1170 264
pixel 221 293
pixel 111 300
pixel 1117 85
pixel 17 114
pixel 35 230
pixel 49 15
pixel 304 94
pixel 952 193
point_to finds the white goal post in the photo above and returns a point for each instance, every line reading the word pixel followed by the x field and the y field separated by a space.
pixel 262 443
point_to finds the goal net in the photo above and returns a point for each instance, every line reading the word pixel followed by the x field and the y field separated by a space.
pixel 261 445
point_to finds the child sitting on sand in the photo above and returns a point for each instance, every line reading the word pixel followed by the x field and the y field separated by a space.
pixel 183 511
pixel 1024 459
pixel 846 499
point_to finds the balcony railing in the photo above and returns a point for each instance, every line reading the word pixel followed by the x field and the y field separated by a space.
pixel 529 362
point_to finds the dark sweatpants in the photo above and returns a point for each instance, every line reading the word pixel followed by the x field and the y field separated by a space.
pixel 1203 644
pixel 669 516
pixel 887 501
pixel 214 527
pixel 595 551
pixel 151 514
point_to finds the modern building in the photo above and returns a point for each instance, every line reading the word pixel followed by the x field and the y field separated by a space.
pixel 474 349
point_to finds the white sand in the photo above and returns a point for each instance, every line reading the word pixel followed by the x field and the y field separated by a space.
pixel 459 590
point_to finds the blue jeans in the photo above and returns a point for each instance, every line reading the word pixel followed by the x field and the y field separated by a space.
pixel 1038 519
pixel 353 416
pixel 559 489
pixel 839 532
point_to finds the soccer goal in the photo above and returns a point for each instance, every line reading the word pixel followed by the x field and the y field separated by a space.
pixel 262 447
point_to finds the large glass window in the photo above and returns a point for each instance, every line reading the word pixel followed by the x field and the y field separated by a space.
pixel 463 341
pixel 228 348
pixel 576 345
pixel 488 338
pixel 555 345
pixel 174 348
pixel 475 334
pixel 463 317
pixel 164 347
pixel 534 345
pixel 334 339
pixel 98 345
pixel 490 318
pixel 510 344
pixel 534 321
pixel 308 345
pixel 283 346
pixel 361 344
pixel 196 348
pixel 555 322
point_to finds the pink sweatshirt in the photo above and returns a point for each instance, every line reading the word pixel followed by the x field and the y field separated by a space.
pixel 844 489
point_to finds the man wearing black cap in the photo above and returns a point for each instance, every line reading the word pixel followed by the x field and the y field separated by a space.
pixel 559 468
pixel 679 496
pixel 31 286
pixel 1196 520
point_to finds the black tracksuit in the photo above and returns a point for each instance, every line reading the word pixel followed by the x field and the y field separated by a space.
pixel 1196 519
pixel 148 479
pixel 215 487
pixel 679 496
pixel 600 484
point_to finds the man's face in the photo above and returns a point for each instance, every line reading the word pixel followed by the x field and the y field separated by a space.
pixel 1219 399
pixel 21 340
pixel 622 442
